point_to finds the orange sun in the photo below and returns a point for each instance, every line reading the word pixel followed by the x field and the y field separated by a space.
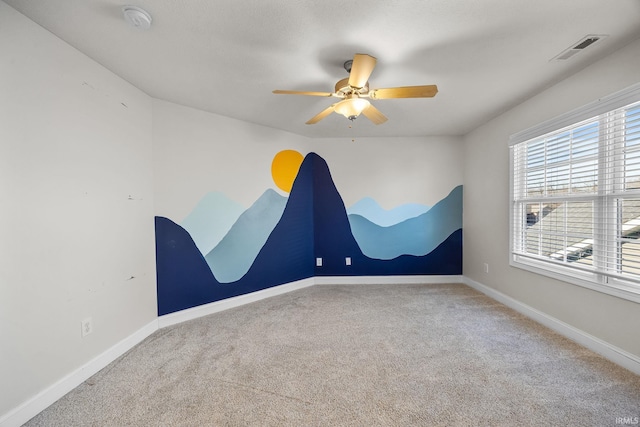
pixel 284 168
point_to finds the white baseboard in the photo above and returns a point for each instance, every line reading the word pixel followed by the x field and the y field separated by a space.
pixel 385 280
pixel 603 348
pixel 42 400
pixel 214 307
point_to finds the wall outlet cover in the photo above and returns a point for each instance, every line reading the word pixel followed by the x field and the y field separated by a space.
pixel 87 326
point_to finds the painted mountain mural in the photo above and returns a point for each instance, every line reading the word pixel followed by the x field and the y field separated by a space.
pixel 313 224
pixel 210 221
pixel 414 236
pixel 372 211
pixel 233 256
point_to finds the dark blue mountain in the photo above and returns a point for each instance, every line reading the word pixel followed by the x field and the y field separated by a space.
pixel 184 279
pixel 288 254
pixel 314 224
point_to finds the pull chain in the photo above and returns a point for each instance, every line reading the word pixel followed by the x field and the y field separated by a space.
pixel 353 139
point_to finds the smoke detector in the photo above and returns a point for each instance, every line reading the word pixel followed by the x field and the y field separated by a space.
pixel 579 46
pixel 137 17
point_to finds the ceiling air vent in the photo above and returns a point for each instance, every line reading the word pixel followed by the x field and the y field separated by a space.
pixel 578 47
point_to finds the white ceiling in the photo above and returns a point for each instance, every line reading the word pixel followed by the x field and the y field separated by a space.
pixel 226 56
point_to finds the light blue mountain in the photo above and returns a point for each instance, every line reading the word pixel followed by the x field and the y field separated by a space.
pixel 415 236
pixel 234 255
pixel 211 220
pixel 371 210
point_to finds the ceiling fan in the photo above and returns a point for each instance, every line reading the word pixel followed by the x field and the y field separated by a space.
pixel 354 90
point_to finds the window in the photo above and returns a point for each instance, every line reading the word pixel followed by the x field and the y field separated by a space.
pixel 575 196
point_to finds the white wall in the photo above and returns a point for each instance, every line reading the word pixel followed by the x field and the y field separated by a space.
pixel 486 207
pixel 196 152
pixel 76 223
pixel 394 171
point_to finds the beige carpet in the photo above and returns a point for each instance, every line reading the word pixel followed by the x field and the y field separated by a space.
pixel 393 355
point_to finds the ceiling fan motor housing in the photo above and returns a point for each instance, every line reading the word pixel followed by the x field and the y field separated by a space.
pixel 343 88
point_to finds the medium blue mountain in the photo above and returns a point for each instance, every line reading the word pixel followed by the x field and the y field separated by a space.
pixel 211 219
pixel 372 211
pixel 236 252
pixel 416 236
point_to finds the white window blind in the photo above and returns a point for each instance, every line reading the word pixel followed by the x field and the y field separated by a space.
pixel 576 198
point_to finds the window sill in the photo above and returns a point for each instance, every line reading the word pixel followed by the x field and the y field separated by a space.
pixel 616 287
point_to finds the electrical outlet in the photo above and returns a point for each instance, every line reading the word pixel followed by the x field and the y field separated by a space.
pixel 486 267
pixel 87 326
pixel 347 260
pixel 318 262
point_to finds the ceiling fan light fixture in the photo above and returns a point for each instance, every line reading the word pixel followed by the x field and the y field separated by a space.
pixel 351 107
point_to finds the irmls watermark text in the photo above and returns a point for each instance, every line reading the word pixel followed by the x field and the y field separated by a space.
pixel 627 421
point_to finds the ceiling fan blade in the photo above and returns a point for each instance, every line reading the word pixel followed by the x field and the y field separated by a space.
pixel 301 92
pixel 324 113
pixel 427 91
pixel 373 114
pixel 361 69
